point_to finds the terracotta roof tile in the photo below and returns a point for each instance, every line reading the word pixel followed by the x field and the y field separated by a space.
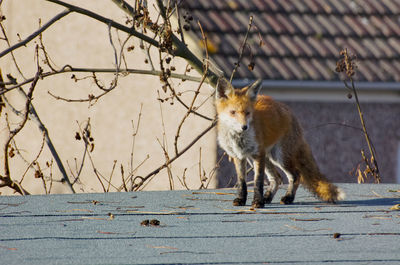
pixel 318 45
pixel 305 47
pixel 298 5
pixel 376 5
pixel 361 6
pixel 297 71
pixel 395 44
pixel 381 25
pixel 293 48
pixel 369 26
pixel 286 23
pixel 396 67
pixel 339 5
pixel 313 5
pixel 341 25
pixel 393 6
pixel 206 4
pixel 331 46
pixel 268 69
pixel 310 69
pixel 326 22
pixel 327 6
pixel 273 5
pixel 388 68
pixel 387 50
pixel 301 24
pixel 356 25
pixel 302 38
pixel 322 68
pixel 372 47
pixel 288 6
pixel 279 48
pixel 393 23
pixel 282 69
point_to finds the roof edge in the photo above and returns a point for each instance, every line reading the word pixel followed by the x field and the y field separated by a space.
pixel 318 85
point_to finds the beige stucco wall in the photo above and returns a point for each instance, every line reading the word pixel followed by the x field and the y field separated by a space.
pixel 82 42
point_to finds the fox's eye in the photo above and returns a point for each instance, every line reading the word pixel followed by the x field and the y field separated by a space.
pixel 232 112
pixel 247 113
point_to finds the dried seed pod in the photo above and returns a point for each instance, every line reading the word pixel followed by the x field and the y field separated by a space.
pixel 336 235
pixel 145 222
pixel 154 222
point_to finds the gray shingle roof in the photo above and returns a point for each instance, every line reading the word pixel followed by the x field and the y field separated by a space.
pixel 302 38
pixel 200 227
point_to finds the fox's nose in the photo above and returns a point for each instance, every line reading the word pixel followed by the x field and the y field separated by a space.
pixel 244 127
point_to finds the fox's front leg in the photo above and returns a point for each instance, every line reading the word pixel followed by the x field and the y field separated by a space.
pixel 259 166
pixel 240 165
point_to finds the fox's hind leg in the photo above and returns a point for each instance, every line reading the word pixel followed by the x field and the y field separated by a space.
pixel 274 178
pixel 293 176
pixel 240 166
pixel 294 181
pixel 287 164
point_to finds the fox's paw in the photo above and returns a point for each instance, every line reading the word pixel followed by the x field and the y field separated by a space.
pixel 257 204
pixel 268 197
pixel 239 202
pixel 287 199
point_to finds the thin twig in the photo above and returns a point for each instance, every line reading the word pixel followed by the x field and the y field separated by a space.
pixel 179 23
pixel 6 179
pixel 181 49
pixel 36 33
pixel 123 179
pixel 196 93
pixel 241 51
pixel 106 21
pixel 111 175
pixel 33 114
pixel 164 146
pixel 183 181
pixel 154 172
pixel 70 69
pixel 127 8
pixel 366 135
pixel 134 136
pixel 33 161
pixel 347 66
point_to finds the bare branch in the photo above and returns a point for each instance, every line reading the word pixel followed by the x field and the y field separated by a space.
pixel 127 8
pixel 196 93
pixel 6 179
pixel 179 22
pixel 154 172
pixel 106 21
pixel 70 69
pixel 347 65
pixel 181 49
pixel 241 52
pixel 36 33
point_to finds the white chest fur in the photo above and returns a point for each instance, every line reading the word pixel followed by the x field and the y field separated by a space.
pixel 237 144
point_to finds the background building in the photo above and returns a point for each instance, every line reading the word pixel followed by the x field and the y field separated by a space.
pixel 301 41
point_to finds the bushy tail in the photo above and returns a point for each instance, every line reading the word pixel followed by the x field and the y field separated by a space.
pixel 313 180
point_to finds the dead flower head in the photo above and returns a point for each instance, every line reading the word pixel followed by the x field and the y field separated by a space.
pixel 346 64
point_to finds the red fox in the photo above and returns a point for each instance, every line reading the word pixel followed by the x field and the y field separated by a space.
pixel 257 127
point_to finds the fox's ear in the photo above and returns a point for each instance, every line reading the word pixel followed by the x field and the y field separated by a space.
pixel 253 89
pixel 224 88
